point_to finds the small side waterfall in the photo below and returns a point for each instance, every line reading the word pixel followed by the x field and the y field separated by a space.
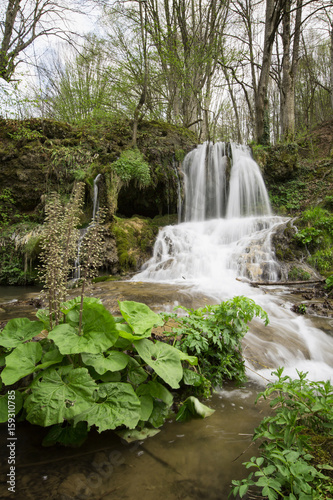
pixel 95 202
pixel 227 234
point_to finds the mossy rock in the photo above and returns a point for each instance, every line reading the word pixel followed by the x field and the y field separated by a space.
pixel 281 163
pixel 135 238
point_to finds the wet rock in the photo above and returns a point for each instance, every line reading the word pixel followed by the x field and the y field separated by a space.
pixel 75 486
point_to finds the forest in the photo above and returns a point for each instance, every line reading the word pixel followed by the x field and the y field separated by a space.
pixel 245 71
pixel 148 320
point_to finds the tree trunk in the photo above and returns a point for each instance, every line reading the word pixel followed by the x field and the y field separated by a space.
pixel 145 78
pixel 331 66
pixel 261 99
pixel 289 70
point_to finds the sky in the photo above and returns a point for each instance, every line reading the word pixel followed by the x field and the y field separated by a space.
pixel 13 96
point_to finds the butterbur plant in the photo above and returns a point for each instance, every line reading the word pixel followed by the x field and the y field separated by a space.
pixel 110 375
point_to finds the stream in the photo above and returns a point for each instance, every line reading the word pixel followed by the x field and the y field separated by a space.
pixel 226 235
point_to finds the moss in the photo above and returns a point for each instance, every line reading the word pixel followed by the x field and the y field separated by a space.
pixel 282 162
pixel 260 154
pixel 135 239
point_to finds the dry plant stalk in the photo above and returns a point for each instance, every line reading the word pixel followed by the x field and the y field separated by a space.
pixel 91 254
pixel 60 237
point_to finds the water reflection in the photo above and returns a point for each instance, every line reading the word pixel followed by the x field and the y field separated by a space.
pixel 192 460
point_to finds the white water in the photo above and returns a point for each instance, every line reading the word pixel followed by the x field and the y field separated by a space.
pixel 95 202
pixel 210 252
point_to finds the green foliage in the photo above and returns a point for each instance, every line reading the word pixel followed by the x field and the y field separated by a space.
pixel 328 202
pixel 329 282
pixel 322 260
pixel 91 369
pixel 214 334
pixel 296 274
pixel 12 270
pixel 193 408
pixel 301 308
pixel 316 234
pixel 22 132
pixel 286 468
pixel 74 161
pixel 87 371
pixel 132 166
pixel 287 197
pixel 7 207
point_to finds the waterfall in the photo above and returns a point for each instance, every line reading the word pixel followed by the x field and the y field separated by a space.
pixel 226 231
pixel 227 234
pixel 247 191
pixel 205 182
pixel 95 203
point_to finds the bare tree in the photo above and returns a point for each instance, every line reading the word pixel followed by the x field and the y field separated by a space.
pixel 23 21
pixel 289 67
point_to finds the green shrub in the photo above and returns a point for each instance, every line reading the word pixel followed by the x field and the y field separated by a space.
pixel 297 273
pixel 131 165
pixel 316 234
pixel 214 333
pixel 289 467
pixel 322 260
pixel 329 282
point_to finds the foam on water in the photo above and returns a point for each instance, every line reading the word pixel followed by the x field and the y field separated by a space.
pixel 210 252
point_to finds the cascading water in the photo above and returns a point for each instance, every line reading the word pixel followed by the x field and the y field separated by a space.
pixel 247 191
pixel 95 202
pixel 226 235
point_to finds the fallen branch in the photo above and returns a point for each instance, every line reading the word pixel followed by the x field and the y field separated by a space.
pixel 280 283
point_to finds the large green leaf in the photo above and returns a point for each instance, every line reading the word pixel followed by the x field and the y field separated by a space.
pixel 163 358
pixel 51 357
pixel 193 408
pixel 118 405
pixel 95 317
pixel 67 435
pixel 192 360
pixel 155 390
pixel 147 405
pixel 114 362
pixel 14 405
pixel 21 362
pixel 127 333
pixel 192 378
pixel 99 332
pixel 44 316
pixel 139 316
pixel 19 330
pixel 61 394
pixel 159 414
pixel 71 304
pixel 136 373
